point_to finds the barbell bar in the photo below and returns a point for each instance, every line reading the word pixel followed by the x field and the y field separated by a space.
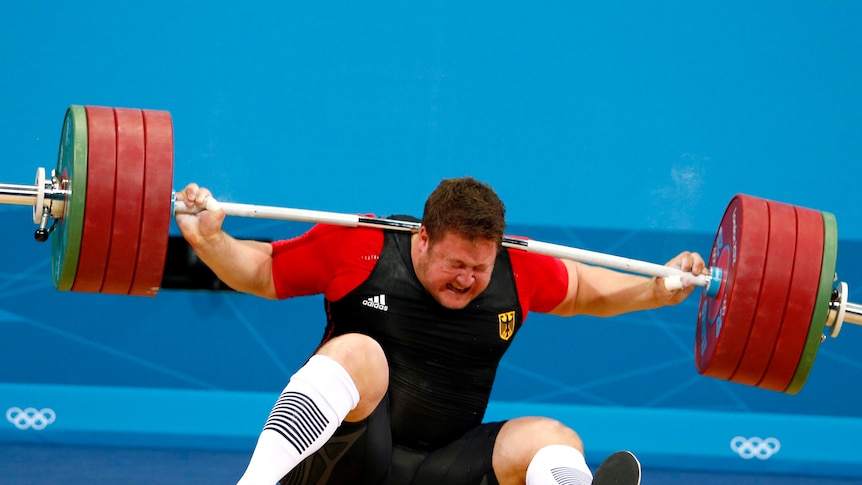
pixel 677 277
pixel 770 294
pixel 31 195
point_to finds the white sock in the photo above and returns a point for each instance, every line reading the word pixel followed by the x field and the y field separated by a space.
pixel 306 415
pixel 558 465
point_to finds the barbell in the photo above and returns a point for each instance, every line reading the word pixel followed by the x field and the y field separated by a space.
pixel 769 297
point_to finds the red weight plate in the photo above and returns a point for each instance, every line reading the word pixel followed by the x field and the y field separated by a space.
pixel 156 220
pixel 800 301
pixel 128 199
pixel 771 303
pixel 724 322
pixel 99 205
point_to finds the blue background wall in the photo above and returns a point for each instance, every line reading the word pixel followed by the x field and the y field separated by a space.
pixel 622 127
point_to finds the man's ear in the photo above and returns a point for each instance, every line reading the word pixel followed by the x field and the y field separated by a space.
pixel 423 239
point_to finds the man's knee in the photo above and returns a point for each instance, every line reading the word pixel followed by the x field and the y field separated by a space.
pixel 364 359
pixel 521 438
pixel 537 432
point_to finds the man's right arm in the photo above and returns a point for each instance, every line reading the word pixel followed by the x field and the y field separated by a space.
pixel 243 265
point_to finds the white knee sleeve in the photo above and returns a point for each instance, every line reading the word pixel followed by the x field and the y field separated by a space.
pixel 558 465
pixel 311 407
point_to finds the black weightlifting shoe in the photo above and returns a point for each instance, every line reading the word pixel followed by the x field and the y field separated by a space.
pixel 621 468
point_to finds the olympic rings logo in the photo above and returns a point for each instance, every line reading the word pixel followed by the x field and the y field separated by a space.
pixel 30 418
pixel 755 447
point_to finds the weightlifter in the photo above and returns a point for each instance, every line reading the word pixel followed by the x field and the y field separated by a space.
pixel 416 324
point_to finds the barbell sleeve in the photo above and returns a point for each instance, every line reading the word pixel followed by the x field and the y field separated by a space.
pixel 18 194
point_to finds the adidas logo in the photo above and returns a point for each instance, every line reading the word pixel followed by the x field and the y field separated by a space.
pixel 378 302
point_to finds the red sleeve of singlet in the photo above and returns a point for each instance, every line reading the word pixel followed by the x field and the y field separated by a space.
pixel 542 281
pixel 332 260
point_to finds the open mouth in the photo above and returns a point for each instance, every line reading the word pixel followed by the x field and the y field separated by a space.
pixel 460 291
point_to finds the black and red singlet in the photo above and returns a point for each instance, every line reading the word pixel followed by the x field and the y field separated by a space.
pixel 442 361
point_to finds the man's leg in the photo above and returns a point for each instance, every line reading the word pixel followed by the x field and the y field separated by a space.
pixel 346 379
pixel 541 451
pixel 465 461
pixel 558 465
pixel 357 453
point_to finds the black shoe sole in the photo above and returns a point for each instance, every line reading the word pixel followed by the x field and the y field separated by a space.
pixel 621 468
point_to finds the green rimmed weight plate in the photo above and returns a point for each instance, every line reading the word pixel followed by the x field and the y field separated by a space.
pixel 821 307
pixel 72 176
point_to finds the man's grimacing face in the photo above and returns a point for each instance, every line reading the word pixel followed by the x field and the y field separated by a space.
pixel 455 270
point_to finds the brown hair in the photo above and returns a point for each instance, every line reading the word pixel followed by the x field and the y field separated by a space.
pixel 466 206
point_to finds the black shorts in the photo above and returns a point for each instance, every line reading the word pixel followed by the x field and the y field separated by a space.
pixel 363 453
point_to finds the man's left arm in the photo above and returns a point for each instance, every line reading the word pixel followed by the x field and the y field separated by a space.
pixel 604 292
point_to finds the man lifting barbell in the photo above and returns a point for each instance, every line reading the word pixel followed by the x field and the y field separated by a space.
pixel 414 304
pixel 416 325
